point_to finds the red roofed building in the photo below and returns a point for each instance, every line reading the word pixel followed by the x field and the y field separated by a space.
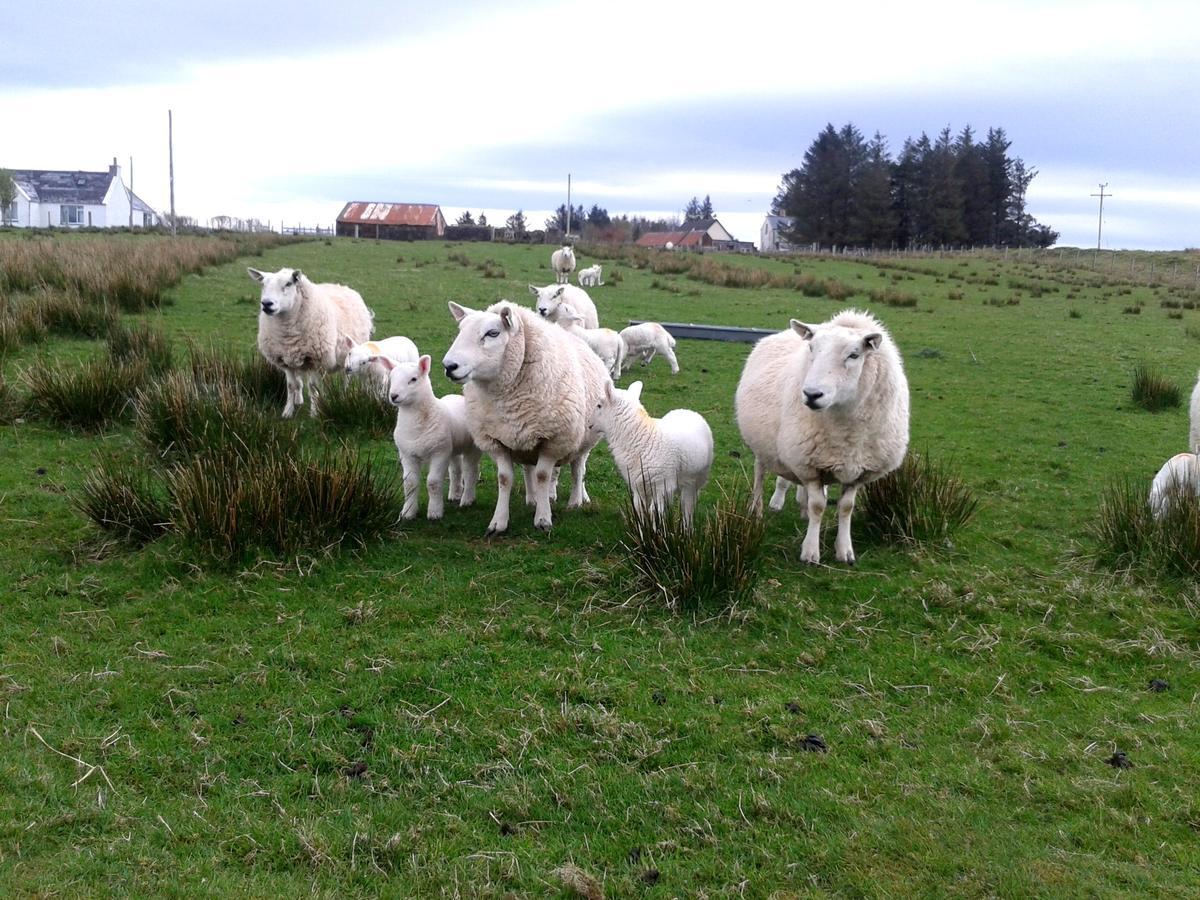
pixel 701 234
pixel 391 221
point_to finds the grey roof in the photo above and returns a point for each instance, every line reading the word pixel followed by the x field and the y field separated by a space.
pixel 781 220
pixel 63 187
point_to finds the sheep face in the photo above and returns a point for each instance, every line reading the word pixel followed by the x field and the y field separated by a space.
pixel 407 381
pixel 548 299
pixel 279 290
pixel 477 354
pixel 358 356
pixel 600 420
pixel 835 364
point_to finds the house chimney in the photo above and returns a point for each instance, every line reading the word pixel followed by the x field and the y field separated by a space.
pixel 114 169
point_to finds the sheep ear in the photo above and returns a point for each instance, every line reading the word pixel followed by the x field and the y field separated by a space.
pixel 296 273
pixel 559 292
pixel 507 319
pixel 872 341
pixel 347 342
pixel 805 331
pixel 533 290
pixel 384 361
pixel 255 274
pixel 635 391
pixel 459 312
pixel 423 364
pixel 608 390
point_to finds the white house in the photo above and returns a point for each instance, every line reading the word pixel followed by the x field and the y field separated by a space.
pixel 772 237
pixel 48 199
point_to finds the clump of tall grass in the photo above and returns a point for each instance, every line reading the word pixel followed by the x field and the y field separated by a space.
pixel 1152 390
pixel 923 500
pixel 89 396
pixel 254 376
pixel 894 297
pixel 354 406
pixel 1128 535
pixel 67 313
pixel 143 342
pixel 20 324
pixel 127 501
pixel 715 564
pixel 10 402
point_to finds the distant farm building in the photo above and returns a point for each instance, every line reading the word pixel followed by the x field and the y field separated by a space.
pixel 773 237
pixel 56 199
pixel 391 221
pixel 699 234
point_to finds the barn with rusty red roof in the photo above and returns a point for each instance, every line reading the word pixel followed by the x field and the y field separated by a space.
pixel 391 221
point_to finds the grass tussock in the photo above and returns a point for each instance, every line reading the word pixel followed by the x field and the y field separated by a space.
pixel 89 397
pixel 1128 536
pixel 143 342
pixel 354 406
pixel 20 324
pixel 68 313
pixel 714 565
pixel 11 405
pixel 125 501
pixel 922 501
pixel 1152 390
pixel 253 375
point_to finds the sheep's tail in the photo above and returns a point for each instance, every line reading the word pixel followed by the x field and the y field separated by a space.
pixel 621 351
pixel 670 339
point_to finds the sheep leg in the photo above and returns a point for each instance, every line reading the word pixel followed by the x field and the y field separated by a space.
pixel 504 481
pixel 687 503
pixel 543 474
pixel 669 356
pixel 469 464
pixel 412 485
pixel 433 485
pixel 295 392
pixel 779 498
pixel 579 494
pixel 648 355
pixel 530 499
pixel 843 547
pixel 314 394
pixel 756 488
pixel 810 550
pixel 455 478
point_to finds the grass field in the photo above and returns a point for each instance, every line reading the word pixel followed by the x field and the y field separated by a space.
pixel 440 714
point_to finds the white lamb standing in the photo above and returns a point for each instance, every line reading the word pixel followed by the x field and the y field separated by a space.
pixel 658 458
pixel 360 358
pixel 550 297
pixel 301 326
pixel 647 339
pixel 562 261
pixel 430 431
pixel 1179 477
pixel 1194 419
pixel 820 404
pixel 590 277
pixel 528 387
pixel 605 342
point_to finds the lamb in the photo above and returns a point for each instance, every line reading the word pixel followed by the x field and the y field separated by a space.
pixel 550 297
pixel 563 263
pixel 645 340
pixel 1179 477
pixel 590 277
pixel 359 358
pixel 528 387
pixel 825 403
pixel 658 458
pixel 1194 419
pixel 605 342
pixel 430 430
pixel 301 326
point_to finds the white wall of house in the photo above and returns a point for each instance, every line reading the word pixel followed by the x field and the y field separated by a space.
pixel 113 213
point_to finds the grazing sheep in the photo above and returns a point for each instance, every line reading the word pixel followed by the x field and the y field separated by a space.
pixel 825 403
pixel 658 458
pixel 430 430
pixel 1194 419
pixel 645 340
pixel 550 297
pixel 605 342
pixel 359 358
pixel 1179 477
pixel 563 263
pixel 590 277
pixel 301 327
pixel 528 388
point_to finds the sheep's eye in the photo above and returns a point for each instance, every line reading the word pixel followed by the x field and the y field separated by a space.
pixel 493 333
pixel 412 380
pixel 854 355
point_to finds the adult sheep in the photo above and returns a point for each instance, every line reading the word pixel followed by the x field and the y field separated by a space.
pixel 562 261
pixel 528 387
pixel 552 296
pixel 301 326
pixel 1178 478
pixel 819 404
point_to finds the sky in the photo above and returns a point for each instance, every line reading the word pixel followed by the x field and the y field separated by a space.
pixel 286 110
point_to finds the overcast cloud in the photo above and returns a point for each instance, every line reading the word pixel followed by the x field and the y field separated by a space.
pixel 285 112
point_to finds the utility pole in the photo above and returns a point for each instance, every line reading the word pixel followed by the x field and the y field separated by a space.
pixel 568 207
pixel 1100 225
pixel 131 192
pixel 171 164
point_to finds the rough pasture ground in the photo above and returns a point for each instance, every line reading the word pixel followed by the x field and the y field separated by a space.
pixel 449 715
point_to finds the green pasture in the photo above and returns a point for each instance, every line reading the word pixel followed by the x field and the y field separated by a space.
pixel 443 714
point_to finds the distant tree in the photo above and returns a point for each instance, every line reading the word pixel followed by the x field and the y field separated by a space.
pixel 8 193
pixel 706 208
pixel 874 219
pixel 691 212
pixel 598 216
pixel 482 218
pixel 970 168
pixel 945 193
pixel 516 222
pixel 559 219
pixel 819 194
pixel 465 219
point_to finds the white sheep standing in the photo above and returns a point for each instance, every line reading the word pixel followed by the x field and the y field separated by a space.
pixel 825 403
pixel 1179 476
pixel 430 431
pixel 562 261
pixel 590 277
pixel 528 387
pixel 1194 419
pixel 360 358
pixel 301 326
pixel 605 342
pixel 658 458
pixel 549 298
pixel 646 339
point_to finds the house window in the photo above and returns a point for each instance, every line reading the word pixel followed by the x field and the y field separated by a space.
pixel 10 213
pixel 71 214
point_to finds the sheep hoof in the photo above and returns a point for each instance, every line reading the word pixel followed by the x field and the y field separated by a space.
pixel 543 525
pixel 408 514
pixel 494 530
pixel 289 412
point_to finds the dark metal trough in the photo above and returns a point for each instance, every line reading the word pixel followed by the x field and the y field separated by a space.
pixel 712 332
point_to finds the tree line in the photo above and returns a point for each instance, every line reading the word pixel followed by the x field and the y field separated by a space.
pixel 949 191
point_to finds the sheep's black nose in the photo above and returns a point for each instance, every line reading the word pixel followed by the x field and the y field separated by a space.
pixel 450 367
pixel 811 397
